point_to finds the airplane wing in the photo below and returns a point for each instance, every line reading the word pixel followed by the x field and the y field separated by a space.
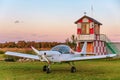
pixel 22 55
pixel 88 57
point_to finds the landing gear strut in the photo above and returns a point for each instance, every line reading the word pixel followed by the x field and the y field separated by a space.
pixel 48 70
pixel 73 69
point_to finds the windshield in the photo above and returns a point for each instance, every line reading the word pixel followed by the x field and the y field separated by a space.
pixel 63 49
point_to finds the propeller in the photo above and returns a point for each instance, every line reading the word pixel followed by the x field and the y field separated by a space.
pixel 43 56
pixel 35 50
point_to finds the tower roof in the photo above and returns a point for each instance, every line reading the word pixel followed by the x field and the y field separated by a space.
pixel 91 19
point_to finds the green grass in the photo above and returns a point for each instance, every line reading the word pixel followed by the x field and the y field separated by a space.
pixel 1 56
pixel 86 70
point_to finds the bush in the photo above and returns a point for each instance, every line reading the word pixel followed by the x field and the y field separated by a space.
pixel 10 58
pixel 2 52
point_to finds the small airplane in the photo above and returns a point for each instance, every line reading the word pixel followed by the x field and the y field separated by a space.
pixel 59 53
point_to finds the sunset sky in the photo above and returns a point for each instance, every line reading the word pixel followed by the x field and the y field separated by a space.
pixel 53 20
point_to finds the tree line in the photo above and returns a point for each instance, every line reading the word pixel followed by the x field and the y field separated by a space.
pixel 28 44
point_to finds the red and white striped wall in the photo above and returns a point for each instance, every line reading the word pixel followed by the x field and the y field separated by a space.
pixel 99 47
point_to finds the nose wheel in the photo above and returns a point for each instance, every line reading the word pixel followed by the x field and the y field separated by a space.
pixel 46 69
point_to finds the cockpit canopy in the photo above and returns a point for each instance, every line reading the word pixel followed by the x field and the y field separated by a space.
pixel 63 49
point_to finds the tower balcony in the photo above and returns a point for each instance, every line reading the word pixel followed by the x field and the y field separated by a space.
pixel 86 37
pixel 92 37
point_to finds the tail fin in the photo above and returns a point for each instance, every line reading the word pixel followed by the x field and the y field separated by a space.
pixel 83 51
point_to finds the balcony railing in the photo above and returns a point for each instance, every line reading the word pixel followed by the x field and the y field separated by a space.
pixel 86 37
pixel 101 37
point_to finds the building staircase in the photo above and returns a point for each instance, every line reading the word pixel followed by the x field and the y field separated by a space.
pixel 111 46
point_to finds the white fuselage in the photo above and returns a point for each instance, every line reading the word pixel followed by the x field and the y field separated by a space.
pixel 55 56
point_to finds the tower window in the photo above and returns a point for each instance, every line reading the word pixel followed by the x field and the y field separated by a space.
pixel 97 29
pixel 85 29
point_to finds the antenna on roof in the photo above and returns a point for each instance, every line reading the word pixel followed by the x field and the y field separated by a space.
pixel 85 13
pixel 92 10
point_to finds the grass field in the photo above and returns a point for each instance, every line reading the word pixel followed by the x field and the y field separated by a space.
pixel 86 70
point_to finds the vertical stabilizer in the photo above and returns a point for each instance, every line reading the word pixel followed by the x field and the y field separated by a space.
pixel 83 51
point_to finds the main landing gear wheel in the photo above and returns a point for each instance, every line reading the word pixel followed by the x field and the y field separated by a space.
pixel 45 68
pixel 73 69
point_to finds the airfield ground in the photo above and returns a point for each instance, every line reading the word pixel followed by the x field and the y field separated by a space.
pixel 86 70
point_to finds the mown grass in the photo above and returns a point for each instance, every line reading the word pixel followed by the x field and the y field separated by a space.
pixel 86 70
